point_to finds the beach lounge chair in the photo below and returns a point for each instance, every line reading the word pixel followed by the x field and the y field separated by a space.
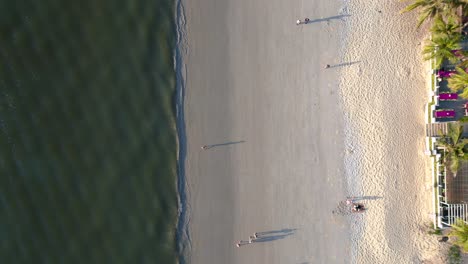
pixel 448 96
pixel 445 74
pixel 444 113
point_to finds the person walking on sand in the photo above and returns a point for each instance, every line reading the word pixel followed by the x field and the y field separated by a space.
pixel 255 235
pixel 306 20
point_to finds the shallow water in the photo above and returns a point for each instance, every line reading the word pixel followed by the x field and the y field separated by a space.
pixel 87 134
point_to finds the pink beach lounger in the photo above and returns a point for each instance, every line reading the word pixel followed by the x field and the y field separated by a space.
pixel 448 96
pixel 445 74
pixel 448 113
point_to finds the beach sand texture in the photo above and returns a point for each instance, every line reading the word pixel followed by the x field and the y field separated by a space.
pixel 257 90
pixel 384 97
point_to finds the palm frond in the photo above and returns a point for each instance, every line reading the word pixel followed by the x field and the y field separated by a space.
pixel 459 81
pixel 455 131
pixel 441 48
pixel 428 9
pixel 448 27
pixel 413 6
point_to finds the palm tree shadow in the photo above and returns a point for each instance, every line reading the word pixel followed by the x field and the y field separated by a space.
pixel 328 19
pixel 344 64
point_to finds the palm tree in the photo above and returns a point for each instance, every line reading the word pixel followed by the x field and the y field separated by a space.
pixel 451 28
pixel 454 146
pixel 452 5
pixel 463 59
pixel 441 48
pixel 460 232
pixel 455 4
pixel 459 81
pixel 429 9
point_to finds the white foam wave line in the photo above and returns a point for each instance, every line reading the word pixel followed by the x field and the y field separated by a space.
pixel 180 51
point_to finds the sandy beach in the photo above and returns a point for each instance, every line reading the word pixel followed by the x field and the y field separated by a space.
pixel 386 134
pixel 289 140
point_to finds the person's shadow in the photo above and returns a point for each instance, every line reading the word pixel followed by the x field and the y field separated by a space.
pixel 224 144
pixel 344 64
pixel 367 198
pixel 272 235
pixel 328 19
pixel 271 238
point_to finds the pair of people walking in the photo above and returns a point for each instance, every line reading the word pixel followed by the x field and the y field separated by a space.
pixel 250 241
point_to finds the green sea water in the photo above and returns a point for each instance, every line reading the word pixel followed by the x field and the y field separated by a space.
pixel 87 132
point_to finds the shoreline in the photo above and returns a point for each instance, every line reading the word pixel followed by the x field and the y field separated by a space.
pixel 180 50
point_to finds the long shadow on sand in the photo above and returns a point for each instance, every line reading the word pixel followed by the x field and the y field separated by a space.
pixel 344 64
pixel 272 235
pixel 328 19
pixel 279 231
pixel 224 144
pixel 271 238
pixel 358 198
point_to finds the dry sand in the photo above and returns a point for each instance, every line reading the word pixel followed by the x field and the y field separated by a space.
pixel 295 139
pixel 383 100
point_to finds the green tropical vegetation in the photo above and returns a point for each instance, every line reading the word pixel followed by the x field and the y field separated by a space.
pixel 430 9
pixel 441 48
pixel 455 147
pixel 460 233
pixel 454 255
pixel 445 29
pixel 459 82
pixel 449 28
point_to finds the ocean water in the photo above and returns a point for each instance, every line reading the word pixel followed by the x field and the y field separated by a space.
pixel 88 145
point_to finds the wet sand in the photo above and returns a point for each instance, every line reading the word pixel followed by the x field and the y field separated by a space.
pixel 253 75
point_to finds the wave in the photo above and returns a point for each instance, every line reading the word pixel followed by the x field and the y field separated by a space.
pixel 182 233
